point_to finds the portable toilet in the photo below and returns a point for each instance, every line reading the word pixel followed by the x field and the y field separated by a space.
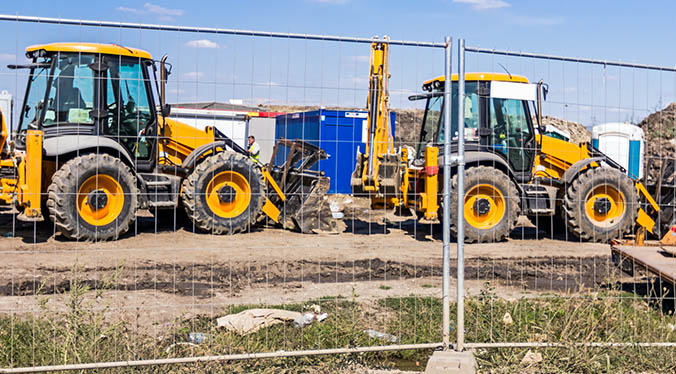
pixel 624 143
pixel 339 132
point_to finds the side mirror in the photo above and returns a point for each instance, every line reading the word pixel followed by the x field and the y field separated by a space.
pixel 542 90
pixel 166 110
pixel 164 74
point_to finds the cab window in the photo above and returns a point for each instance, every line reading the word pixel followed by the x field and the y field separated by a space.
pixel 470 114
pixel 35 95
pixel 71 97
pixel 128 106
pixel 433 123
pixel 510 131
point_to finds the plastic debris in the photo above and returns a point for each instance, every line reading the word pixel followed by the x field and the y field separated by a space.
pixel 199 338
pixel 308 318
pixel 531 358
pixel 381 335
pixel 335 210
pixel 507 319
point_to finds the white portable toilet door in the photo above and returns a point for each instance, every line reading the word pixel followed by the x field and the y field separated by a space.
pixel 615 146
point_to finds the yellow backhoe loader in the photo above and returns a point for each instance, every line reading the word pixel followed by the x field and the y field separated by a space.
pixel 92 147
pixel 512 166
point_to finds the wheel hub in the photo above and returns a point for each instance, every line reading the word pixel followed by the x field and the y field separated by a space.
pixel 97 199
pixel 226 194
pixel 482 206
pixel 602 205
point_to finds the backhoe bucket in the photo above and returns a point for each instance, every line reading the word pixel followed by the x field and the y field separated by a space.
pixel 304 206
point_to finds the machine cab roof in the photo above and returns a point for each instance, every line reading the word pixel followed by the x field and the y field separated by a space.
pixel 109 49
pixel 438 82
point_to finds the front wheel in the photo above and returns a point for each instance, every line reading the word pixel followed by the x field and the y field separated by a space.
pixel 491 205
pixel 224 194
pixel 93 197
pixel 600 205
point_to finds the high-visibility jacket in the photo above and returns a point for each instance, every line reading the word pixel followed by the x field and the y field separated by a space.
pixel 255 151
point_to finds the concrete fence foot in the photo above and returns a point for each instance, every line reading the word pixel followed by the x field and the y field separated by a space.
pixel 451 362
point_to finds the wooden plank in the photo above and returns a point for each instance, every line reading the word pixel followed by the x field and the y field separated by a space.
pixel 653 259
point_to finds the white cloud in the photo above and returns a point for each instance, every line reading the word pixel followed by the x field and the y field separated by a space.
pixel 125 9
pixel 193 75
pixel 164 14
pixel 202 43
pixel 537 21
pixel 484 4
pixel 8 57
pixel 162 11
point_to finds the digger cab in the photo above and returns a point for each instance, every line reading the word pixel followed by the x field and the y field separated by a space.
pixel 81 92
pixel 498 112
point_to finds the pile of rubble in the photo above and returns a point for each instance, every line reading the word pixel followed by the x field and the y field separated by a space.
pixel 578 133
pixel 660 137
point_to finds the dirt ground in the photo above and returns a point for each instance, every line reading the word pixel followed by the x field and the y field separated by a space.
pixel 170 271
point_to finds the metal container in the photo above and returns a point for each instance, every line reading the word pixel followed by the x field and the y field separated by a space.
pixel 339 132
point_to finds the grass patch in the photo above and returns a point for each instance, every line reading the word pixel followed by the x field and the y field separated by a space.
pixel 81 333
pixel 384 287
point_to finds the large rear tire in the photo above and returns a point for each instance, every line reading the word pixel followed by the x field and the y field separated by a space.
pixel 491 205
pixel 600 205
pixel 224 194
pixel 93 197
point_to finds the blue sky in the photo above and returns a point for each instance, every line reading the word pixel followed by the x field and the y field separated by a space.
pixel 211 67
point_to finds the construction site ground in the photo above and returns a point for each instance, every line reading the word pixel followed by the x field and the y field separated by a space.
pixel 181 273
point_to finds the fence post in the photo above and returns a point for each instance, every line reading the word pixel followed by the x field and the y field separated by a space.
pixel 461 193
pixel 446 219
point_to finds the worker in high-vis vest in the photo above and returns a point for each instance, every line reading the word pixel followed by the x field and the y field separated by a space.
pixel 254 148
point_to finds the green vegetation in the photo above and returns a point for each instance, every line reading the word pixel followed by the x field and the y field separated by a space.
pixel 84 333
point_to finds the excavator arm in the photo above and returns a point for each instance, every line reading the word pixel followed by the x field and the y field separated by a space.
pixel 378 169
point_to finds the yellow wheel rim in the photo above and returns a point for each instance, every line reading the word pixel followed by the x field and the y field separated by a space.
pixel 480 195
pixel 605 205
pixel 235 186
pixel 114 200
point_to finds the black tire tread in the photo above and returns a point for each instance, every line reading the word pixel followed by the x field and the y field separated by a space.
pixel 513 205
pixel 64 182
pixel 200 214
pixel 573 205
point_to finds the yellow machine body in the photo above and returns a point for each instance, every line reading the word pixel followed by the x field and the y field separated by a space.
pixel 25 176
pixel 418 183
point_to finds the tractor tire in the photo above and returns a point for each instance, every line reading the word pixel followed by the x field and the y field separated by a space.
pixel 93 197
pixel 600 205
pixel 491 205
pixel 224 194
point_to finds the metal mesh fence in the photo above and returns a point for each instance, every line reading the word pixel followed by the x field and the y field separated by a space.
pixel 168 235
pixel 148 255
pixel 596 164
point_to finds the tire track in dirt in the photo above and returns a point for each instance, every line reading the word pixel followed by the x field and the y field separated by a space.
pixel 202 280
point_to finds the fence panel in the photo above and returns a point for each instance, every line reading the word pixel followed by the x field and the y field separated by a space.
pixel 573 306
pixel 78 299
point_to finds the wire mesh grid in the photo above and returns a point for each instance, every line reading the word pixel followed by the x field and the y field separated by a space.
pixel 157 223
pixel 370 281
pixel 573 189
